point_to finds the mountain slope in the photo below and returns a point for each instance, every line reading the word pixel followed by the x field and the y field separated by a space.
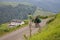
pixel 52 32
pixel 40 12
pixel 20 11
pixel 14 10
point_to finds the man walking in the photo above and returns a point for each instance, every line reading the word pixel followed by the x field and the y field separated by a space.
pixel 37 21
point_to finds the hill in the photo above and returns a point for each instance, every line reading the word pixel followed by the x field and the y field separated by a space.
pixel 40 12
pixel 50 32
pixel 19 11
pixel 16 10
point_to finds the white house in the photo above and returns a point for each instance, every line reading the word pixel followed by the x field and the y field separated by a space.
pixel 16 22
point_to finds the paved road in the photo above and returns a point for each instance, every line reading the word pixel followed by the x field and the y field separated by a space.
pixel 18 34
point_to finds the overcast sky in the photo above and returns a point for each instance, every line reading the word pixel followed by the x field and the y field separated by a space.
pixel 30 0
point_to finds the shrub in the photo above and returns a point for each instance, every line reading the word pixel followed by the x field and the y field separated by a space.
pixel 26 21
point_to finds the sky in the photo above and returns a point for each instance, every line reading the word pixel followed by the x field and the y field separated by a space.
pixel 51 1
pixel 27 0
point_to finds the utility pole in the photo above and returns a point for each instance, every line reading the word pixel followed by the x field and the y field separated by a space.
pixel 30 25
pixel 30 28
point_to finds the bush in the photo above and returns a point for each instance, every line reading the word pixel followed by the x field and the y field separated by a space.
pixel 19 26
pixel 51 20
pixel 43 17
pixel 26 21
pixel 6 30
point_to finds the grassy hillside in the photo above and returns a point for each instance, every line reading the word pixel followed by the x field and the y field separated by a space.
pixel 50 32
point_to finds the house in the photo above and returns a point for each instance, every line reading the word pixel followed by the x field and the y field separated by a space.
pixel 15 22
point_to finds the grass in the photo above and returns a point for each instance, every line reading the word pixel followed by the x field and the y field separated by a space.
pixel 4 29
pixel 50 32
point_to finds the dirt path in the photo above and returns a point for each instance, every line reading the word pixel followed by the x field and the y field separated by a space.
pixel 18 34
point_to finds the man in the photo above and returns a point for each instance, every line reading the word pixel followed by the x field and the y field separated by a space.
pixel 37 21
